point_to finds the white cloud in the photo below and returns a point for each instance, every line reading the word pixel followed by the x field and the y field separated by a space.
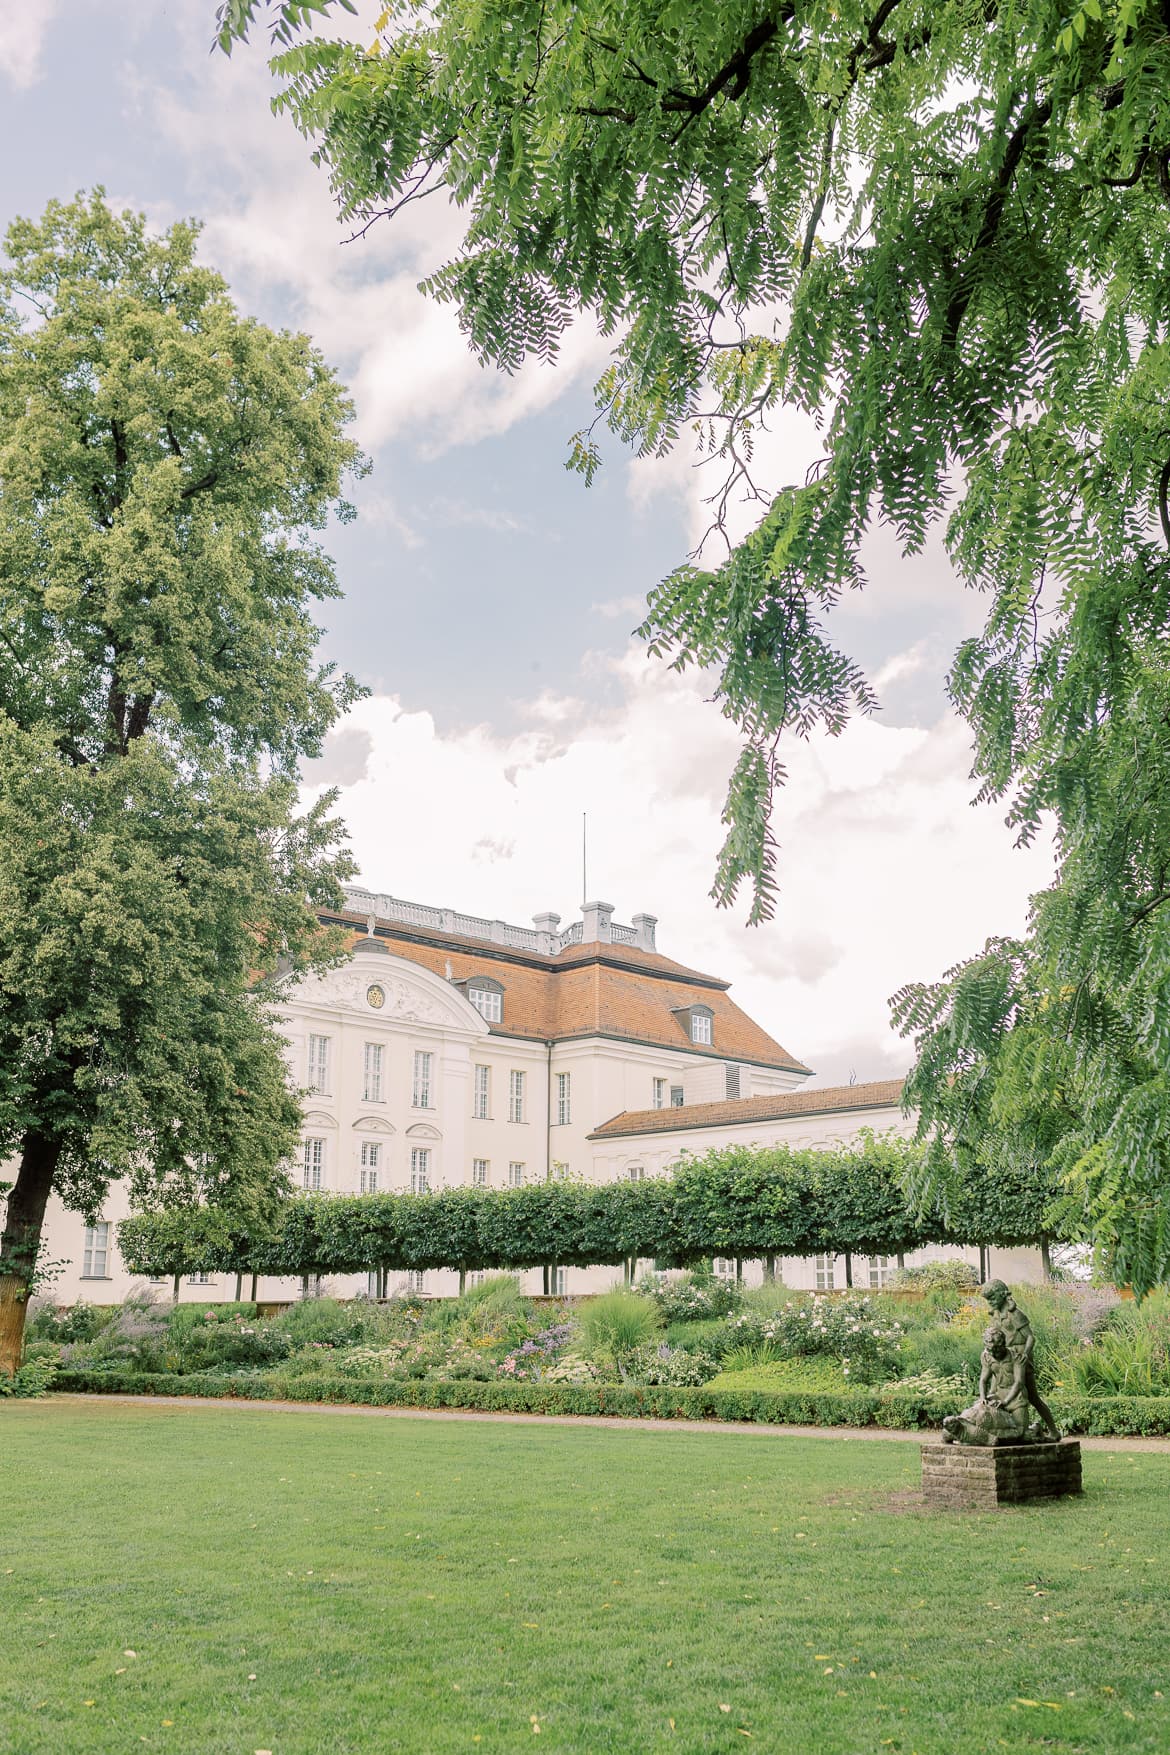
pixel 23 26
pixel 272 229
pixel 887 873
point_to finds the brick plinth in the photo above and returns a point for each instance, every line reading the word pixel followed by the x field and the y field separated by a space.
pixel 968 1477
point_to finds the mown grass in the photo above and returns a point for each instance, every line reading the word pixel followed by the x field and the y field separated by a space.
pixel 344 1583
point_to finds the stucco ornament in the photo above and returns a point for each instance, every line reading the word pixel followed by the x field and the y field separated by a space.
pixel 1007 1383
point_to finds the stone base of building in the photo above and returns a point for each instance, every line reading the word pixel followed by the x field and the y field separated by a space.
pixel 968 1477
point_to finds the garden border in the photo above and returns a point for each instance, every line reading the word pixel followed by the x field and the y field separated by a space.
pixel 1107 1416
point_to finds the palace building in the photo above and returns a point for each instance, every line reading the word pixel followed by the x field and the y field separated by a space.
pixel 453 1049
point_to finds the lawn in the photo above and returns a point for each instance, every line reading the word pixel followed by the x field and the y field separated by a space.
pixel 211 1580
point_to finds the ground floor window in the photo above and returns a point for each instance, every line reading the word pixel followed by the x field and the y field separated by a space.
pixel 95 1263
pixel 724 1267
pixel 823 1266
pixel 880 1269
pixel 558 1282
pixel 414 1282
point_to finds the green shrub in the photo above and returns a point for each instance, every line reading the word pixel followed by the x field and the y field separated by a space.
pixel 325 1321
pixel 781 1375
pixel 846 1328
pixel 952 1275
pixel 79 1323
pixel 494 1310
pixel 946 1352
pixel 618 1323
pixel 1109 1415
pixel 707 1336
pixel 32 1378
pixel 1129 1356
pixel 691 1297
pixel 230 1339
pixel 664 1364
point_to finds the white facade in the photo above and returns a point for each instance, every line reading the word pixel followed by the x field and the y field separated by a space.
pixel 406 1086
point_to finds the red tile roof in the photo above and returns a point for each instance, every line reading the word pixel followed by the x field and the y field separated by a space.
pixel 738 1111
pixel 594 989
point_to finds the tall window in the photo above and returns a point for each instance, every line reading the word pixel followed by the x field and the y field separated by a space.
pixel 370 1165
pixel 724 1267
pixel 700 1027
pixel 480 1172
pixel 880 1268
pixel 516 1096
pixel 314 1164
pixel 95 1262
pixel 563 1099
pixel 676 1096
pixel 481 1095
pixel 659 1094
pixel 372 1081
pixel 319 1065
pixel 421 1095
pixel 515 1175
pixel 823 1266
pixel 731 1081
pixel 420 1170
pixel 414 1282
pixel 488 1002
pixel 559 1171
pixel 558 1281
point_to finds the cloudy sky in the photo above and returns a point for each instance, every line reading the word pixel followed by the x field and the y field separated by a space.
pixel 490 596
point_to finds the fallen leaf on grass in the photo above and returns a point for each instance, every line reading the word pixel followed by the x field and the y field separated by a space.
pixel 724 1708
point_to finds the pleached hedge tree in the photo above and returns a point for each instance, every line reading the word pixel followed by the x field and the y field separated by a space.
pixel 750 1202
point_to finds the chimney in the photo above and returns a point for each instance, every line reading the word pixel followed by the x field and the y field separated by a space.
pixel 644 925
pixel 596 917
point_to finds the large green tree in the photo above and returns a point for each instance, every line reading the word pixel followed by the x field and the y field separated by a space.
pixel 164 464
pixel 941 227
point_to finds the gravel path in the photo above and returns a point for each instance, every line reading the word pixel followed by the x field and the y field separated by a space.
pixel 844 1434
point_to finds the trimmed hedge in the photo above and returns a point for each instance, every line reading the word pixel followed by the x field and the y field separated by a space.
pixel 748 1201
pixel 1104 1416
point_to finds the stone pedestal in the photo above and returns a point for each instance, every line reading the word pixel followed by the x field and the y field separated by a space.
pixel 969 1477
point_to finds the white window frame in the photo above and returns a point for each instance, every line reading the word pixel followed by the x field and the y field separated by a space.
pixel 481 1172
pixel 488 1002
pixel 723 1267
pixel 516 1095
pixel 95 1260
pixel 421 1091
pixel 371 1163
pixel 661 1094
pixel 558 1282
pixel 824 1272
pixel 701 1030
pixel 201 1279
pixel 881 1267
pixel 516 1172
pixel 481 1094
pixel 564 1098
pixel 372 1064
pixel 636 1173
pixel 313 1164
pixel 420 1169
pixel 559 1171
pixel 415 1281
pixel 320 1057
pixel 681 1099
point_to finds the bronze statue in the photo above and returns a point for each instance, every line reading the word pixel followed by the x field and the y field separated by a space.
pixel 1007 1383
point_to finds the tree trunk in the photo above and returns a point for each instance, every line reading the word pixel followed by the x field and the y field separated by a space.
pixel 901 1260
pixel 849 1268
pixel 769 1270
pixel 240 1286
pixel 462 1281
pixel 21 1241
pixel 252 1294
pixel 175 1289
pixel 1046 1257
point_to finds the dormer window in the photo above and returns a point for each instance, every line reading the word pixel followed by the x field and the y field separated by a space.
pixel 698 1023
pixel 487 996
